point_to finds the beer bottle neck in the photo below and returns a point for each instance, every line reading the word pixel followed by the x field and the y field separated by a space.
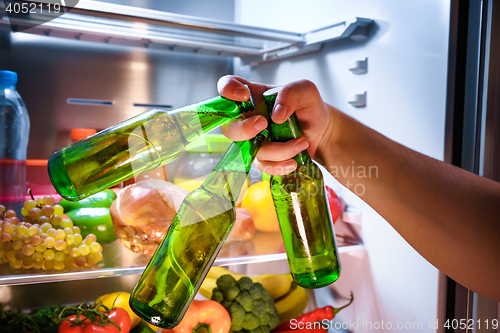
pixel 230 174
pixel 219 106
pixel 246 106
pixel 286 131
pixel 240 155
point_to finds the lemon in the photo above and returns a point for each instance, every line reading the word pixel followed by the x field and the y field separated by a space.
pixel 119 299
pixel 259 203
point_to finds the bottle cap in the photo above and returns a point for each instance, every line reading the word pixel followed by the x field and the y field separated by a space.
pixel 272 91
pixel 8 78
pixel 78 134
pixel 209 143
pixel 270 98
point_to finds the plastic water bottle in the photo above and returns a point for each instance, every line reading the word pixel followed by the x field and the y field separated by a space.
pixel 14 135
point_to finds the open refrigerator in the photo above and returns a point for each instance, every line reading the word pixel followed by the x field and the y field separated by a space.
pixel 420 73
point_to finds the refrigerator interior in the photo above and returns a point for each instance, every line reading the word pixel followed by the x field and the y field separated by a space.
pixel 405 87
pixel 406 53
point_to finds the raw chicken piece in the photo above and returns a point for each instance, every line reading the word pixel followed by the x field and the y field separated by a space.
pixel 142 213
pixel 244 227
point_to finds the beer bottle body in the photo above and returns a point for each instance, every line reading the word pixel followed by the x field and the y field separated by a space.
pixel 139 144
pixel 303 212
pixel 198 232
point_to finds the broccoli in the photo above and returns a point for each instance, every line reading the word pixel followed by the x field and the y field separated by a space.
pixel 265 319
pixel 237 314
pixel 245 300
pixel 225 281
pixel 251 321
pixel 258 307
pixel 230 292
pixel 249 304
pixel 245 283
pixel 217 295
pixel 255 292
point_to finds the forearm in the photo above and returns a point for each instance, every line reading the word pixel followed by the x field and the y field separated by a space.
pixel 450 216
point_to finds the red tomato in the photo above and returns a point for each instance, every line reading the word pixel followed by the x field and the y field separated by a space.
pixel 334 202
pixel 93 328
pixel 118 315
pixel 65 326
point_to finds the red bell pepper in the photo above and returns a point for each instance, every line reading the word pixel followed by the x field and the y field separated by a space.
pixel 203 316
pixel 300 323
pixel 333 201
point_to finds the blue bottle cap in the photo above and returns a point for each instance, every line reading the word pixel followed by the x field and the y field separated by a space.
pixel 8 78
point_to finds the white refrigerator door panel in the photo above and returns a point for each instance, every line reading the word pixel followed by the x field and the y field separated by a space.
pixel 405 86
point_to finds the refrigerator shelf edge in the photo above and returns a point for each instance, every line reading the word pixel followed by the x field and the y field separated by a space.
pixel 125 25
pixel 132 264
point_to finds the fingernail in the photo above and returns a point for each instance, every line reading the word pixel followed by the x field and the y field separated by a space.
pixel 241 93
pixel 289 164
pixel 301 145
pixel 279 113
pixel 260 124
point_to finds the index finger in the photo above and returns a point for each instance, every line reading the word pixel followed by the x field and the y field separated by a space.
pixel 237 88
pixel 241 129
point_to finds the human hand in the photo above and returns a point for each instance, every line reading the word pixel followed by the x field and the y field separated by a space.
pixel 302 97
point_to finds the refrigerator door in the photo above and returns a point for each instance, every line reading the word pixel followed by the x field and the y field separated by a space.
pixel 397 86
pixel 473 130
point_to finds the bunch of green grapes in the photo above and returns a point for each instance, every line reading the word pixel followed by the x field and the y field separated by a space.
pixel 44 239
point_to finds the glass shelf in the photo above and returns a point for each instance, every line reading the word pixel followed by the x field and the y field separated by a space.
pixel 126 25
pixel 119 260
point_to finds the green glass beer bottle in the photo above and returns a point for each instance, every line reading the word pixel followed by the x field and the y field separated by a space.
pixel 303 212
pixel 139 144
pixel 178 267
